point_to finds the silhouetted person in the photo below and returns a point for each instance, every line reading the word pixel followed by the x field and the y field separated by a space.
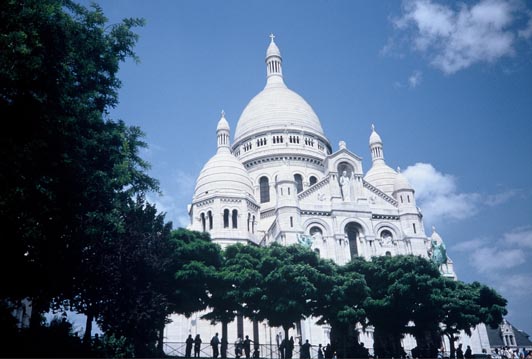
pixel 256 354
pixel 328 352
pixel 289 350
pixel 214 344
pixel 468 354
pixel 238 347
pixel 320 352
pixel 459 352
pixel 247 347
pixel 197 346
pixel 188 346
pixel 282 348
pixel 305 350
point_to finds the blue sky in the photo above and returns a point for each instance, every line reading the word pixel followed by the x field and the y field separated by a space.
pixel 448 86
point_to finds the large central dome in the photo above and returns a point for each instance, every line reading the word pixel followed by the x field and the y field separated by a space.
pixel 276 107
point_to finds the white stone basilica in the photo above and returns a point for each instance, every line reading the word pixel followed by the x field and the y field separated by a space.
pixel 280 181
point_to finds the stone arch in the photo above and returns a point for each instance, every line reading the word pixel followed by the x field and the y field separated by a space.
pixel 345 163
pixel 365 229
pixel 396 232
pixel 309 223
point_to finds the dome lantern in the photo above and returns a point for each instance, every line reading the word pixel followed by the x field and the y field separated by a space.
pixel 274 70
pixel 222 133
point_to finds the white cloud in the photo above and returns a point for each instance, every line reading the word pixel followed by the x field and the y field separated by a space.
pixel 526 33
pixel 486 260
pixel 415 79
pixel 517 284
pixel 455 39
pixel 469 246
pixel 500 198
pixel 520 237
pixel 499 255
pixel 438 196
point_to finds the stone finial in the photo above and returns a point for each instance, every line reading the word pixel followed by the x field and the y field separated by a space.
pixel 342 145
pixel 373 127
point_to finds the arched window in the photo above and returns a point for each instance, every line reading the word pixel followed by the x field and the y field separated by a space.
pixel 249 220
pixel 253 225
pixel 235 216
pixel 317 251
pixel 313 180
pixel 299 182
pixel 353 232
pixel 316 232
pixel 226 218
pixel 264 189
pixel 209 216
pixel 388 254
pixel 386 236
pixel 202 217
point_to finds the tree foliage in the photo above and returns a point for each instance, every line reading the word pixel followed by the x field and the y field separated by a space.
pixel 65 166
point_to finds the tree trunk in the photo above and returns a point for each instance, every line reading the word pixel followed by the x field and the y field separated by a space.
pixel 160 339
pixel 286 329
pixel 223 347
pixel 255 334
pixel 88 328
pixel 36 310
pixel 428 341
pixel 344 340
pixel 452 348
pixel 387 344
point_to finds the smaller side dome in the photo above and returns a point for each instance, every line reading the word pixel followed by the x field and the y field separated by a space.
pixel 401 182
pixel 381 176
pixel 225 175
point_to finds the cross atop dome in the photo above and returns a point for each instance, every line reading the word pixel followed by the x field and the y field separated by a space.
pixel 272 36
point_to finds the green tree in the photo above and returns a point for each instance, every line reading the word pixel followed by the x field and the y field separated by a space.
pixel 197 261
pixel 237 283
pixel 401 290
pixel 342 293
pixel 468 305
pixel 65 168
pixel 140 266
pixel 289 291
